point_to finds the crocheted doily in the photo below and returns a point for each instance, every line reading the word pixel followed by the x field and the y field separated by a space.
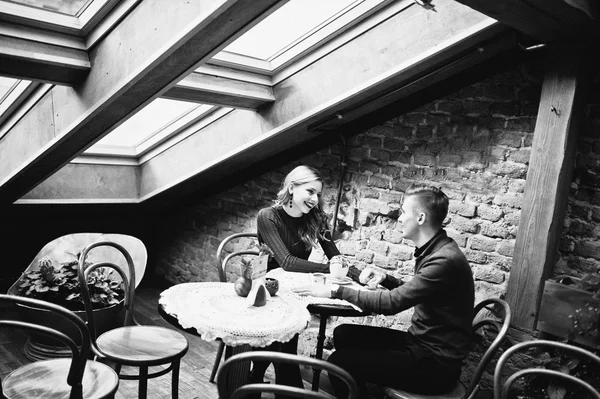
pixel 216 311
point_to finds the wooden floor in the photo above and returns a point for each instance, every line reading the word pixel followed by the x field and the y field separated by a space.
pixel 196 365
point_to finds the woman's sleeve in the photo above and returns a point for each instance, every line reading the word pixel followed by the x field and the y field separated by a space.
pixel 328 245
pixel 267 228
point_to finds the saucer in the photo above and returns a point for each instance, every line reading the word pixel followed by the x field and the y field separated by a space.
pixel 341 281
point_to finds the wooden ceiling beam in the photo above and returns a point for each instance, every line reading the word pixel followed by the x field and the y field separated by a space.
pixel 157 44
pixel 215 90
pixel 566 81
pixel 544 20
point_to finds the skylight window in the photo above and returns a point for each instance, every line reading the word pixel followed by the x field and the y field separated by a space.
pixel 153 118
pixel 68 7
pixel 6 86
pixel 285 26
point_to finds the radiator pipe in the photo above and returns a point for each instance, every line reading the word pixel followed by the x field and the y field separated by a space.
pixel 341 184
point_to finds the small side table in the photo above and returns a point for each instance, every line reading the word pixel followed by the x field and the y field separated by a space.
pixel 324 307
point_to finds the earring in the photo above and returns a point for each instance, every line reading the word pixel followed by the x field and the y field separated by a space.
pixel 291 197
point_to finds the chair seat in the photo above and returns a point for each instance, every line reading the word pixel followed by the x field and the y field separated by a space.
pixel 458 392
pixel 142 345
pixel 48 379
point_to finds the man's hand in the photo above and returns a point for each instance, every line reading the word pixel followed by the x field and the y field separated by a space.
pixel 320 290
pixel 371 277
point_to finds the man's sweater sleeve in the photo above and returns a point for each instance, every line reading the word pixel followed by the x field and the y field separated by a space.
pixel 267 226
pixel 427 282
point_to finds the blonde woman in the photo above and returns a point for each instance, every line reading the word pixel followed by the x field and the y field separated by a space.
pixel 296 223
pixel 292 227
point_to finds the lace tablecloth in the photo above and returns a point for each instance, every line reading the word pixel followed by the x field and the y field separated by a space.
pixel 290 280
pixel 215 311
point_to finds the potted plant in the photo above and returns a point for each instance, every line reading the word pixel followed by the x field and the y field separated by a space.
pixel 570 309
pixel 544 386
pixel 58 283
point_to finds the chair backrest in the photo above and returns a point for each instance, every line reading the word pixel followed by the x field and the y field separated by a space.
pixel 500 326
pixel 127 275
pixel 80 354
pixel 222 261
pixel 501 391
pixel 278 357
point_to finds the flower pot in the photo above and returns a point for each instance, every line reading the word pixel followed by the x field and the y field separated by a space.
pixel 565 310
pixel 39 347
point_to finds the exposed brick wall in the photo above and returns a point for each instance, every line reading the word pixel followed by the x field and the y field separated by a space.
pixel 579 250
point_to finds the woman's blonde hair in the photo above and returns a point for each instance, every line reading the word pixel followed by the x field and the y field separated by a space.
pixel 315 221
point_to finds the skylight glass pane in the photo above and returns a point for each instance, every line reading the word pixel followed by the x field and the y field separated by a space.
pixel 150 120
pixel 6 85
pixel 68 7
pixel 286 25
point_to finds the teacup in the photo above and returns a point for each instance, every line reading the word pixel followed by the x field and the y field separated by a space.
pixel 338 267
pixel 272 285
pixel 319 278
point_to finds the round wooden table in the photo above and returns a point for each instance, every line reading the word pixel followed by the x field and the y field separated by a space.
pixel 215 312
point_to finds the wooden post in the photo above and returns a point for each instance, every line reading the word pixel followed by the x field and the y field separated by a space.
pixel 548 180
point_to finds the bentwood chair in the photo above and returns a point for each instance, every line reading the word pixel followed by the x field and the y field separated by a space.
pixel 501 390
pixel 225 391
pixel 479 324
pixel 222 262
pixel 132 344
pixel 75 377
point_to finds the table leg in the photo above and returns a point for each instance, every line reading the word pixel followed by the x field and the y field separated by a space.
pixel 239 374
pixel 319 354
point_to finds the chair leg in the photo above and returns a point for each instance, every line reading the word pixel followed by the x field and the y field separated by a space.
pixel 143 386
pixel 213 374
pixel 118 369
pixel 175 379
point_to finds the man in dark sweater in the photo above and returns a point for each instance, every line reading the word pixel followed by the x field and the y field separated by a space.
pixel 428 357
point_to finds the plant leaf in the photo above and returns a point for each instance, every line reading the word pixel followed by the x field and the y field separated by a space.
pixel 571 364
pixel 72 296
pixel 556 391
pixel 565 369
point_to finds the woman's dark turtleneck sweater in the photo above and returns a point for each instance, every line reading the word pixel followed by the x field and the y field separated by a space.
pixel 279 231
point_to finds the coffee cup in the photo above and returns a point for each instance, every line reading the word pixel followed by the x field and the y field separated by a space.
pixel 338 267
pixel 319 278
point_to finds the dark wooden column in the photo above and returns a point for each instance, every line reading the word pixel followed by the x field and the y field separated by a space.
pixel 548 179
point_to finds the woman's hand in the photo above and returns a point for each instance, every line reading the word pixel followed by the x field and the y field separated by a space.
pixel 319 290
pixel 371 277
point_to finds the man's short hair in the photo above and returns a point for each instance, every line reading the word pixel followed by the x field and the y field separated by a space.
pixel 432 199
